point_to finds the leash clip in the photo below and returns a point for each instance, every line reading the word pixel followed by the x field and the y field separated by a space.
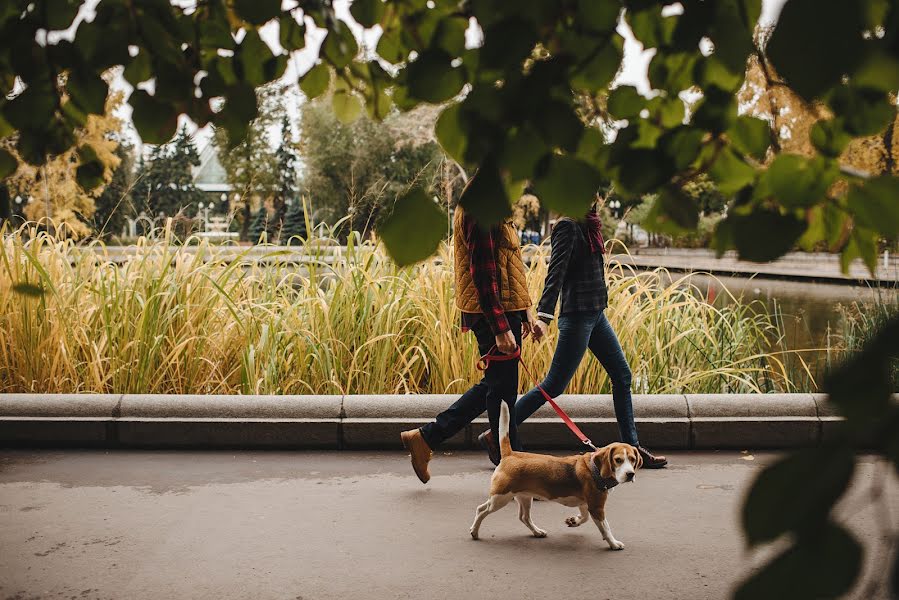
pixel 587 442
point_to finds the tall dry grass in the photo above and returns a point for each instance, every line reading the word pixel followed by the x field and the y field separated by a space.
pixel 169 320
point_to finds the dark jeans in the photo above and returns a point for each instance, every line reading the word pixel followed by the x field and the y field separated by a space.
pixel 500 384
pixel 577 332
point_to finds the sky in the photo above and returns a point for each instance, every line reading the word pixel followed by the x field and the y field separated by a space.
pixel 634 70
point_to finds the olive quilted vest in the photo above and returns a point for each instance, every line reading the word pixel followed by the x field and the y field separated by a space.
pixel 513 288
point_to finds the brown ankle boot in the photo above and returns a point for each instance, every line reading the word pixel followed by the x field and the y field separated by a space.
pixel 421 453
pixel 650 461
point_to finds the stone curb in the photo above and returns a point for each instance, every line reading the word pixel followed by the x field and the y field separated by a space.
pixel 676 421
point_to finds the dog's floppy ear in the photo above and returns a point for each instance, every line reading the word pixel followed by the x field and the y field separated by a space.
pixel 639 459
pixel 603 460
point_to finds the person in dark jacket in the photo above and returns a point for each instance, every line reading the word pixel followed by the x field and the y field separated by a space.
pixel 576 272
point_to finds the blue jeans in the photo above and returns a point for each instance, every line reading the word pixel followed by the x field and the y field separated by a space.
pixel 499 384
pixel 577 332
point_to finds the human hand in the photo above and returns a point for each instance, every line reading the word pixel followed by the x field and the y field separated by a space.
pixel 505 343
pixel 539 329
pixel 527 328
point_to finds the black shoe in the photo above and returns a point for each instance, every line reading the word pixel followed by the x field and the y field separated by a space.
pixel 489 445
pixel 650 461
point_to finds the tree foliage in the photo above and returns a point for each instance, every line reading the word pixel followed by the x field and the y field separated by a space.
pixel 251 162
pixel 517 115
pixel 294 223
pixel 114 204
pixel 288 173
pixel 65 188
pixel 165 183
pixel 360 168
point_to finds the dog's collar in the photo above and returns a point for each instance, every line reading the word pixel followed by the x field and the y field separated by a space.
pixel 603 483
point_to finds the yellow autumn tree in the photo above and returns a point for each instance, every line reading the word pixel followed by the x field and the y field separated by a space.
pixel 52 190
pixel 765 96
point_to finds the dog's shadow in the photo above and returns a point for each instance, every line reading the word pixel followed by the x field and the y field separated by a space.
pixel 561 542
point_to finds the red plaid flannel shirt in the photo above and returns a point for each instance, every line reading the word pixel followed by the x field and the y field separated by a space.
pixel 482 258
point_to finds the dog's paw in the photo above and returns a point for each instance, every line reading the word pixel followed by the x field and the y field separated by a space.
pixel 573 521
pixel 540 533
pixel 474 534
pixel 616 545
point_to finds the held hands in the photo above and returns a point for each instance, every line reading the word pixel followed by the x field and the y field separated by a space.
pixel 533 325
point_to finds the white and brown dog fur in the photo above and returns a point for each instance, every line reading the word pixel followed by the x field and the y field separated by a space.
pixel 567 480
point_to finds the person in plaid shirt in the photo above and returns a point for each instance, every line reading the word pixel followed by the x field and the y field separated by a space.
pixel 498 313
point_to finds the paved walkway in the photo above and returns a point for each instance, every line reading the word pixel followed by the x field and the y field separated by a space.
pixel 285 525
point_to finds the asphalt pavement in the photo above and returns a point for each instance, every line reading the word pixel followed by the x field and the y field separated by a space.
pixel 319 525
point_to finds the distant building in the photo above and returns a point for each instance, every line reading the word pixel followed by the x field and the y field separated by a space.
pixel 212 179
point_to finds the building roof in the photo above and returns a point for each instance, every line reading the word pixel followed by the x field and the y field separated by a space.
pixel 211 176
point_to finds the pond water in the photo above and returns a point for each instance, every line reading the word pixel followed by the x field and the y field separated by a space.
pixel 812 313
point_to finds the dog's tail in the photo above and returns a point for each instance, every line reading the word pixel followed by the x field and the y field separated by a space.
pixel 505 446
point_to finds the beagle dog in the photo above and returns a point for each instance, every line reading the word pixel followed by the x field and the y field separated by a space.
pixel 581 481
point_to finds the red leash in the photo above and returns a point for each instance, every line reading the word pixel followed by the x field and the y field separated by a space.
pixel 488 358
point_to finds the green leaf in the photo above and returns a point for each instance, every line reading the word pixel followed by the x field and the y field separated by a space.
pixel 89 173
pixel 672 213
pixel 257 12
pixel 879 71
pixel 432 78
pixel 139 69
pixel 625 102
pixel 750 136
pixel 28 289
pixel 507 43
pixel 61 13
pixel 155 121
pixel 794 45
pixel 731 172
pixel 864 111
pixel 522 153
pixel 367 13
pixel 760 236
pixel 671 112
pixel 450 133
pixel 33 108
pixel 862 244
pixel 88 91
pixel 8 164
pixel 347 107
pixel 732 33
pixel 339 46
pixel 485 197
pixel 292 33
pixel 682 145
pixel 826 223
pixel 601 17
pixel 829 137
pixel 414 229
pixel 824 565
pixel 673 72
pixel 559 125
pixel 875 204
pixel 251 57
pixel 450 35
pixel 390 47
pixel 796 181
pixel 597 72
pixel 779 504
pixel 712 71
pixel 643 171
pixel 567 185
pixel 716 111
pixel 315 82
pixel 215 31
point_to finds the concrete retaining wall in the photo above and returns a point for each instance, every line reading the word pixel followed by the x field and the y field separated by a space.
pixel 360 422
